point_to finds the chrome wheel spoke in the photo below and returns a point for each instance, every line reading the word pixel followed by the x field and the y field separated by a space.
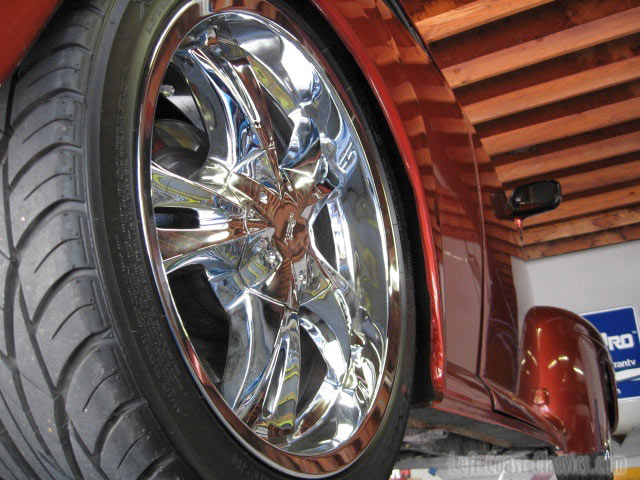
pixel 278 286
pixel 280 400
pixel 233 94
pixel 250 349
pixel 336 281
pixel 194 65
pixel 306 161
pixel 240 95
pixel 180 241
pixel 169 190
pixel 260 260
pixel 314 283
pixel 248 92
pixel 254 194
pixel 303 162
pixel 226 284
pixel 316 412
pixel 215 260
pixel 332 316
pixel 344 272
pixel 327 340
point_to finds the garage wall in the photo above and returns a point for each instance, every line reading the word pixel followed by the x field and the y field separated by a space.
pixel 584 281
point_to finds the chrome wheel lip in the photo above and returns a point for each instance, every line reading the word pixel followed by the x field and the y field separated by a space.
pixel 305 466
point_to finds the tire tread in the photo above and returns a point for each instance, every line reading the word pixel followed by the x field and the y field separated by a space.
pixel 68 405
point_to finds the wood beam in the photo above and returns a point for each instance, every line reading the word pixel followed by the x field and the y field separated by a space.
pixel 586 205
pixel 551 46
pixel 570 157
pixel 563 127
pixel 554 91
pixel 501 258
pixel 471 15
pixel 495 245
pixel 582 226
pixel 601 177
pixel 490 180
pixel 583 242
pixel 501 233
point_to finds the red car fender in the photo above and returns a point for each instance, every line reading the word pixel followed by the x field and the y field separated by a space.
pixel 403 78
pixel 21 24
pixel 563 375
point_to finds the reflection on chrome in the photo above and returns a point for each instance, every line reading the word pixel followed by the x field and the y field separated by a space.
pixel 267 218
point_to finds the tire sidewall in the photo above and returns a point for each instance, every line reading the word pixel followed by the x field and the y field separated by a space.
pixel 135 309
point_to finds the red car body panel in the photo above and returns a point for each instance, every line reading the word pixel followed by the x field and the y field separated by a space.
pixel 483 346
pixel 22 21
pixel 484 364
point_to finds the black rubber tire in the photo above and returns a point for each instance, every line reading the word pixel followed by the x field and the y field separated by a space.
pixel 92 384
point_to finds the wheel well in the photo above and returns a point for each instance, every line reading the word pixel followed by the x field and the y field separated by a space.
pixel 422 386
pixel 610 396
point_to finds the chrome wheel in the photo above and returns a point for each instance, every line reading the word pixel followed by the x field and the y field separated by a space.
pixel 270 235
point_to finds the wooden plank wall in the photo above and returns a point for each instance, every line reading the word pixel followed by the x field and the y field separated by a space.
pixel 552 88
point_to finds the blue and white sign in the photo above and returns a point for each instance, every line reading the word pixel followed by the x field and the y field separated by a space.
pixel 619 330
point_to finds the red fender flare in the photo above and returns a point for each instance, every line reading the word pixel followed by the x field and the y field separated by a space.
pixel 407 86
pixel 563 359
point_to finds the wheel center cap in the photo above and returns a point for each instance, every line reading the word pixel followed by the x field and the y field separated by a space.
pixel 291 233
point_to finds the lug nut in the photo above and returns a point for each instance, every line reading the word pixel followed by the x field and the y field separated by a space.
pixel 272 259
pixel 167 90
pixel 259 246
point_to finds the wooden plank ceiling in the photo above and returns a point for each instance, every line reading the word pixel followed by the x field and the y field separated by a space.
pixel 552 88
